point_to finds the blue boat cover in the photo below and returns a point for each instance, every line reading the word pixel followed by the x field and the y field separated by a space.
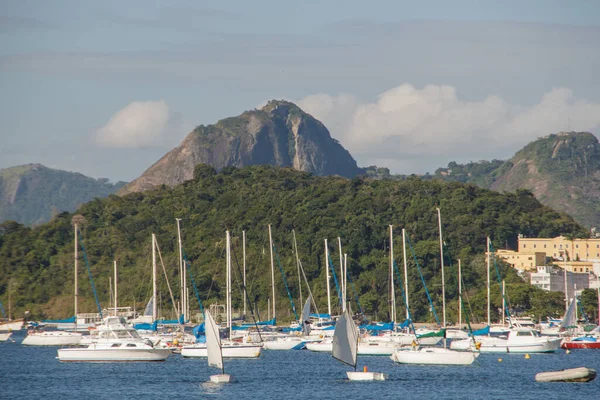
pixel 323 316
pixel 60 321
pixel 198 330
pixel 146 326
pixel 482 331
pixel 378 327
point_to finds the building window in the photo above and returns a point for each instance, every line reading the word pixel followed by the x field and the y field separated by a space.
pixel 534 246
pixel 524 245
pixel 544 246
pixel 554 246
pixel 529 258
pixel 576 246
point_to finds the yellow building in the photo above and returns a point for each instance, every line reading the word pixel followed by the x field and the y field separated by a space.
pixel 576 249
pixel 522 261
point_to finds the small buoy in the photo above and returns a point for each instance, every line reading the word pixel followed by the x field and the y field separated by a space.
pixel 365 369
pixel 527 356
pixel 499 360
pixel 568 351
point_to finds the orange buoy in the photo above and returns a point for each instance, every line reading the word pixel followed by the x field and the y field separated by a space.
pixel 365 369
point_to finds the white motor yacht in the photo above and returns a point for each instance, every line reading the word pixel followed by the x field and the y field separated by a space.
pixel 115 341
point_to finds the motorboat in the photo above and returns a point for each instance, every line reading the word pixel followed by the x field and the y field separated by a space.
pixel 4 336
pixel 115 341
pixel 519 340
pixel 581 342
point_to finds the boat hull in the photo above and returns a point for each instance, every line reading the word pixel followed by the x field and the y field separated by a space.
pixel 320 347
pixel 52 339
pixel 434 356
pixel 581 374
pixel 233 351
pixel 221 378
pixel 11 325
pixel 284 344
pixel 580 344
pixel 377 349
pixel 112 355
pixel 5 336
pixel 491 344
pixel 366 376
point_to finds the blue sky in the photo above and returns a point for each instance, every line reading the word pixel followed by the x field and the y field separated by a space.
pixel 106 88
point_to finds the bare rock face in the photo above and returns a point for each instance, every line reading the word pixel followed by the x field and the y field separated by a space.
pixel 278 134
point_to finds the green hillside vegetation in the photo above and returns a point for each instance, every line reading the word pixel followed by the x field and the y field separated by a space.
pixel 39 261
pixel 32 194
pixel 562 170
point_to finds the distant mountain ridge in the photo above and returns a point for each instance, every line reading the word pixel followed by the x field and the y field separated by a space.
pixel 279 134
pixel 31 194
pixel 562 170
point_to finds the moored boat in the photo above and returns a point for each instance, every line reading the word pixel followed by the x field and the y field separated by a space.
pixel 581 342
pixel 51 338
pixel 581 374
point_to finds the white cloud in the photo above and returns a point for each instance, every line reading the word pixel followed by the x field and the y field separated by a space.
pixel 418 130
pixel 140 124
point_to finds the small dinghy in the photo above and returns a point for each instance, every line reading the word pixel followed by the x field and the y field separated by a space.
pixel 581 374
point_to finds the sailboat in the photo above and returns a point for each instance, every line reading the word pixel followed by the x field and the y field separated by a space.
pixel 214 350
pixel 230 348
pixel 345 349
pixel 436 355
pixel 59 337
pixel 6 323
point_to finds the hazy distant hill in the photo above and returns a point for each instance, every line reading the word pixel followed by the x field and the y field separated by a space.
pixel 562 170
pixel 31 194
pixel 279 134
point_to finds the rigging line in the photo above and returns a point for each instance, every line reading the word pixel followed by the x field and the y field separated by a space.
pixel 336 281
pixel 166 277
pixel 308 286
pixel 241 284
pixel 410 319
pixel 423 280
pixel 87 264
pixel 189 268
pixel 285 283
pixel 356 295
pixel 506 303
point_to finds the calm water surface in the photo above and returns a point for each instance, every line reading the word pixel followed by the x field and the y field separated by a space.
pixel 34 373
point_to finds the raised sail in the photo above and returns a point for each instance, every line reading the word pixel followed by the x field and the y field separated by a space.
pixel 345 339
pixel 213 342
pixel 570 319
pixel 306 316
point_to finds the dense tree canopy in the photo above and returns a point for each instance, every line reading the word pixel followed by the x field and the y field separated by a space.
pixel 39 261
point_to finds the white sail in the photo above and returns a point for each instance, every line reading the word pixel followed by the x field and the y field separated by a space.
pixel 345 340
pixel 213 342
pixel 306 316
pixel 570 319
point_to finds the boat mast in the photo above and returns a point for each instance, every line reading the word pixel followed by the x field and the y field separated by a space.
pixel 392 291
pixel 272 269
pixel 297 265
pixel 566 281
pixel 342 280
pixel 488 282
pixel 75 280
pixel 182 281
pixel 244 256
pixel 503 302
pixel 115 267
pixel 442 264
pixel 154 302
pixel 327 278
pixel 228 288
pixel 405 272
pixel 459 296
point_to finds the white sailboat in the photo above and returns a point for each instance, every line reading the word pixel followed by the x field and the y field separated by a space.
pixel 214 352
pixel 345 349
pixel 294 342
pixel 4 336
pixel 8 324
pixel 229 349
pixel 436 355
pixel 58 338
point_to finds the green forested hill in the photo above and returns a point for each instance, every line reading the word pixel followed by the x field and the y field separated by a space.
pixel 39 261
